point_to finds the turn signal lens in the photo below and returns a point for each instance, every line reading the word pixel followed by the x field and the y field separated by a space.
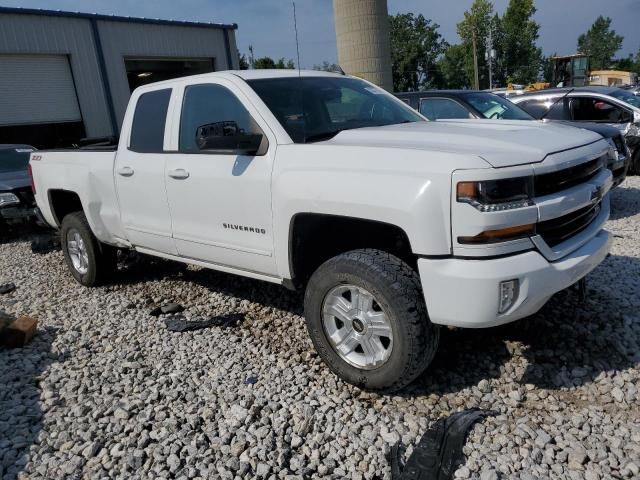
pixel 467 190
pixel 500 235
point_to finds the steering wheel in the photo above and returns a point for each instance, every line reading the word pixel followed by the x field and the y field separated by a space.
pixel 494 115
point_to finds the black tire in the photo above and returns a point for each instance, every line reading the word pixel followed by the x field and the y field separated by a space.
pixel 101 258
pixel 397 290
pixel 4 231
pixel 634 168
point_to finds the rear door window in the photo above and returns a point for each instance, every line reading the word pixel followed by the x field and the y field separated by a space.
pixel 147 129
pixel 592 109
pixel 442 108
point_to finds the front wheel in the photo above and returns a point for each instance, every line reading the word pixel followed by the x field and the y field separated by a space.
pixel 366 316
pixel 89 261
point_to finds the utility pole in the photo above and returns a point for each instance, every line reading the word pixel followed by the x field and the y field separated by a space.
pixel 475 61
pixel 252 60
pixel 489 56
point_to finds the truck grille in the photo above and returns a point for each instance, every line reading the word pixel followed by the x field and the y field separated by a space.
pixel 553 182
pixel 557 230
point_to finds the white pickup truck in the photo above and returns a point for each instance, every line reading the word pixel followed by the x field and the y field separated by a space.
pixel 394 225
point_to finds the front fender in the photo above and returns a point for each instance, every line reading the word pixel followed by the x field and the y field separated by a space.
pixel 406 188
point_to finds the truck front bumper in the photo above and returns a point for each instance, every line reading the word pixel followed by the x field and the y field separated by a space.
pixel 465 293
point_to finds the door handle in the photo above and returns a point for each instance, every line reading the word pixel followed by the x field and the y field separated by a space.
pixel 179 174
pixel 125 171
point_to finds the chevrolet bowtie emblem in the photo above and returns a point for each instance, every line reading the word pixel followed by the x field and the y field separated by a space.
pixel 596 193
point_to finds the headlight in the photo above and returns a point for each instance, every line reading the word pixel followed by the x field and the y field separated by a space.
pixel 497 195
pixel 8 199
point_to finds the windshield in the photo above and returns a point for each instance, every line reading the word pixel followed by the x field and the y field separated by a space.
pixel 14 160
pixel 496 107
pixel 626 97
pixel 317 108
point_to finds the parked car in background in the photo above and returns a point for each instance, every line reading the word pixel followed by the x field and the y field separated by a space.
pixel 603 105
pixel 461 104
pixel 17 203
pixel 634 89
pixel 327 183
pixel 452 104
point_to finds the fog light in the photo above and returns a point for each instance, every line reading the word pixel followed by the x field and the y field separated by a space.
pixel 508 294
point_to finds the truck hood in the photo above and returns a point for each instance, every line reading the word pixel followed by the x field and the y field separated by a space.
pixel 502 143
pixel 13 180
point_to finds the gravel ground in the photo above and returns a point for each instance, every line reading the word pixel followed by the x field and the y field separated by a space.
pixel 104 391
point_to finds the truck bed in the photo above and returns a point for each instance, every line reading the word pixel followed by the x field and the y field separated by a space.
pixel 88 173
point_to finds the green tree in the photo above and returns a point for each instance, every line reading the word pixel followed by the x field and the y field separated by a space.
pixel 270 63
pixel 243 62
pixel 452 68
pixel 627 64
pixel 600 42
pixel 546 68
pixel 327 67
pixel 520 57
pixel 474 28
pixel 416 45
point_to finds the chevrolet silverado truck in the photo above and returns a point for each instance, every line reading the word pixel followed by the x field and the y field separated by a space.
pixel 393 225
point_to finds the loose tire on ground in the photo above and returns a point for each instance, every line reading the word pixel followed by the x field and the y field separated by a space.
pixel 397 293
pixel 98 260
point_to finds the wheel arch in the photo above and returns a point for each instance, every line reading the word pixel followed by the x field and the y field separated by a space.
pixel 316 237
pixel 63 202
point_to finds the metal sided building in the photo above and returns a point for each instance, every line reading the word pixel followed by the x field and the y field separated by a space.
pixel 65 76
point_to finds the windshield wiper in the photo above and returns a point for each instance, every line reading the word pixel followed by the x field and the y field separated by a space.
pixel 554 104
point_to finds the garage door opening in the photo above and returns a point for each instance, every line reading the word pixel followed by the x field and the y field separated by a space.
pixel 39 104
pixel 141 71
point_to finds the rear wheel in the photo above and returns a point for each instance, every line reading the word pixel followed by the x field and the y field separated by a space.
pixel 89 261
pixel 367 319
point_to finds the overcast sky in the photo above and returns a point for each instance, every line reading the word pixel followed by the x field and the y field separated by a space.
pixel 268 24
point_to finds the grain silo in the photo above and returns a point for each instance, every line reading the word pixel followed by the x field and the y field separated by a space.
pixel 362 34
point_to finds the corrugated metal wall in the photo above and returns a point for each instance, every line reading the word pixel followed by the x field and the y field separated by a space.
pixel 32 34
pixel 42 34
pixel 120 39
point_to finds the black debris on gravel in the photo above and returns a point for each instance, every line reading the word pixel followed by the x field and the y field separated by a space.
pixel 251 380
pixel 172 308
pixel 7 288
pixel 167 308
pixel 439 452
pixel 181 324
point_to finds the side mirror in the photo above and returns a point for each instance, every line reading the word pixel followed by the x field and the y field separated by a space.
pixel 227 138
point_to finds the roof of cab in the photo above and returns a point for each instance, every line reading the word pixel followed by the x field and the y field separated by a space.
pixel 246 75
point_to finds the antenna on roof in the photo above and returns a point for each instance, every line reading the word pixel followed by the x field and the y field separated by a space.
pixel 295 25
